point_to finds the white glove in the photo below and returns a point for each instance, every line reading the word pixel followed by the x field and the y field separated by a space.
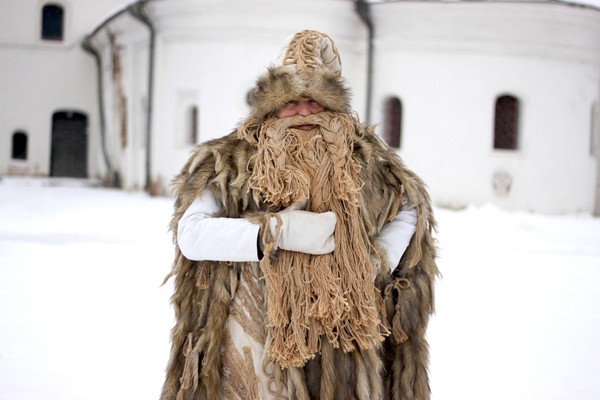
pixel 304 231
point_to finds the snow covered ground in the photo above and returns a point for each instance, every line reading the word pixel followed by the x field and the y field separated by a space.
pixel 83 314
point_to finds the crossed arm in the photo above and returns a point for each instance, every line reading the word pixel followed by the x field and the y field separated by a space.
pixel 201 235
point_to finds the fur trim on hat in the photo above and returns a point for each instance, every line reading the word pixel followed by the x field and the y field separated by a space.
pixel 282 84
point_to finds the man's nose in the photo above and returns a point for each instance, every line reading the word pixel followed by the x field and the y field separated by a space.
pixel 304 109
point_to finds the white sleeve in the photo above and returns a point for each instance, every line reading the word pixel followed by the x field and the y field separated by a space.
pixel 395 235
pixel 202 236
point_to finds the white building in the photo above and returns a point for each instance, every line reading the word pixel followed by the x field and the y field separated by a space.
pixel 449 63
pixel 46 76
pixel 488 101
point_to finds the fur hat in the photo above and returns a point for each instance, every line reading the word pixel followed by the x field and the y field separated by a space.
pixel 309 66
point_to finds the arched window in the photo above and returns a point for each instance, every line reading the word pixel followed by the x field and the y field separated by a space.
pixel 392 122
pixel 192 125
pixel 506 123
pixel 19 146
pixel 52 22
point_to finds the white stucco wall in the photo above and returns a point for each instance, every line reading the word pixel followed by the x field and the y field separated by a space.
pixel 38 78
pixel 211 52
pixel 596 150
pixel 446 60
pixel 449 62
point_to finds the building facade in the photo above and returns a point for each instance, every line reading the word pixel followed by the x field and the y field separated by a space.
pixel 488 101
pixel 47 87
pixel 498 99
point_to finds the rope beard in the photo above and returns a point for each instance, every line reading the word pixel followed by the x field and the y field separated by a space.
pixel 311 298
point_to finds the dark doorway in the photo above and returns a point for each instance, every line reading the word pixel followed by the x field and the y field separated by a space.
pixel 69 145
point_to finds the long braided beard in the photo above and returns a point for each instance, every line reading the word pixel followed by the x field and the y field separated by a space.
pixel 313 298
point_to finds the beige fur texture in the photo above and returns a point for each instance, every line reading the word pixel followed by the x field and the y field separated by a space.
pixel 204 291
pixel 281 84
pixel 214 300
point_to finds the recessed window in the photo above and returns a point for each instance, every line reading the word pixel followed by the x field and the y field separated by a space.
pixel 506 123
pixel 192 124
pixel 19 146
pixel 52 22
pixel 392 122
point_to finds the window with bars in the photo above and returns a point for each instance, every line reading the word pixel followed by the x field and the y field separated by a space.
pixel 19 146
pixel 506 123
pixel 52 22
pixel 392 125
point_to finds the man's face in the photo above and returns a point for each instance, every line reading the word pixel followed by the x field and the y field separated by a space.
pixel 302 107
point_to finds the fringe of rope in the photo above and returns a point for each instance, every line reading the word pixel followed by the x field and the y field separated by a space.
pixel 313 298
pixel 398 285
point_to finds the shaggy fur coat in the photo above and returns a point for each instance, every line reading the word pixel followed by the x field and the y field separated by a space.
pixel 208 295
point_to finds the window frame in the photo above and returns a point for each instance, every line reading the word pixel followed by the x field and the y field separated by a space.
pixel 60 37
pixel 507 116
pixel 14 155
pixel 192 124
pixel 393 121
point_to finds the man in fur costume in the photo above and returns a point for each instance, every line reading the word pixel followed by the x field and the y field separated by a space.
pixel 305 262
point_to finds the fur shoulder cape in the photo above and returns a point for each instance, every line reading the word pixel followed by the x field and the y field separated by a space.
pixel 203 290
